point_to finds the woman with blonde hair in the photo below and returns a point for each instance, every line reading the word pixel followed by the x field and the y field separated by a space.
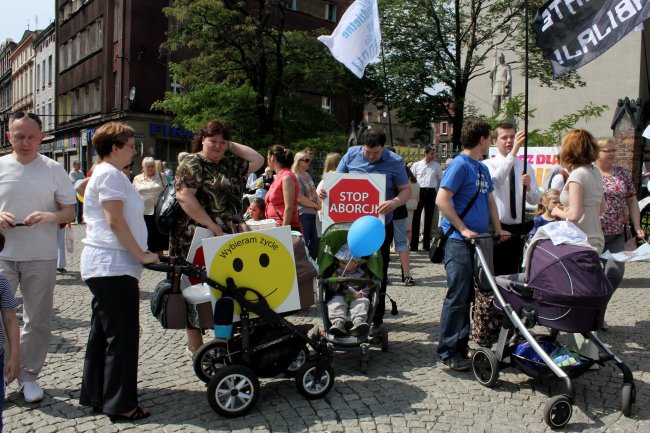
pixel 332 160
pixel 620 195
pixel 308 204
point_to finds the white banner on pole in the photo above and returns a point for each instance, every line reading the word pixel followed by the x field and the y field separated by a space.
pixel 356 41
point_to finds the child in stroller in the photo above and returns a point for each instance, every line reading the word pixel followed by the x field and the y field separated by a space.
pixel 332 242
pixel 351 293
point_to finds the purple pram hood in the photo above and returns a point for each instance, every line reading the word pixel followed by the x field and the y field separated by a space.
pixel 569 289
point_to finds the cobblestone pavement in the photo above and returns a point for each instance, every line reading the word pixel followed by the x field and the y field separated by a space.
pixel 405 389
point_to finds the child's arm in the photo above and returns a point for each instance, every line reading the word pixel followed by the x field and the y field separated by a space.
pixel 10 322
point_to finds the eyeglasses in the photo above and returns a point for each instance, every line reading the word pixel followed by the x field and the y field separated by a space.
pixel 307 160
pixel 20 114
pixel 609 150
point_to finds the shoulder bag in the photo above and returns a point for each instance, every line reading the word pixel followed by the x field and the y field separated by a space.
pixel 437 249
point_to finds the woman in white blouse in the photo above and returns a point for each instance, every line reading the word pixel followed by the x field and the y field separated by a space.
pixel 111 265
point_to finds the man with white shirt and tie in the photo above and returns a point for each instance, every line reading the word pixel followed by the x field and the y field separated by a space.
pixel 428 174
pixel 509 183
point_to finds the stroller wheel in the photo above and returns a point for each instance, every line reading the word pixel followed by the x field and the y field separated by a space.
pixel 233 391
pixel 558 411
pixel 297 362
pixel 312 387
pixel 384 339
pixel 210 357
pixel 627 397
pixel 485 366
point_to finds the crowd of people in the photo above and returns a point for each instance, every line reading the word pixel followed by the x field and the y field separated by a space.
pixel 474 196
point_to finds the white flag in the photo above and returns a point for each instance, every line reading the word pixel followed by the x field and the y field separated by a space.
pixel 357 39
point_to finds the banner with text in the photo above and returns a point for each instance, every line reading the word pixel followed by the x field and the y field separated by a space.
pixel 351 196
pixel 573 33
pixel 540 159
pixel 356 41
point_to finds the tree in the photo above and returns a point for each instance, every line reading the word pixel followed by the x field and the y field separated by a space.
pixel 435 48
pixel 246 67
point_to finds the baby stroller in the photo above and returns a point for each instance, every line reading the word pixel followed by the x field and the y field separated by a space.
pixel 331 242
pixel 565 289
pixel 265 346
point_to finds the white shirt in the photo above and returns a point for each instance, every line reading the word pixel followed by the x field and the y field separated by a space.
pixel 499 167
pixel 40 185
pixel 103 254
pixel 427 175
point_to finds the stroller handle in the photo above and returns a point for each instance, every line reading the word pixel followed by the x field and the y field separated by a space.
pixel 168 263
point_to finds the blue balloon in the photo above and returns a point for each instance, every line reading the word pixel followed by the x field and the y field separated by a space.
pixel 366 235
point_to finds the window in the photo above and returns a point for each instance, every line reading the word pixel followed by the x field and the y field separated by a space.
pixel 99 34
pixel 326 104
pixel 116 21
pixel 77 48
pixel 38 76
pixel 293 5
pixel 444 128
pixel 330 11
pixel 369 116
pixel 69 51
pixel 49 70
pixel 43 75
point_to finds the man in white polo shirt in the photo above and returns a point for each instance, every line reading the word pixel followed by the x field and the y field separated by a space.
pixel 428 174
pixel 35 196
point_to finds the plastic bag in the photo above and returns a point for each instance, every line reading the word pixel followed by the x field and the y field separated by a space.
pixel 69 238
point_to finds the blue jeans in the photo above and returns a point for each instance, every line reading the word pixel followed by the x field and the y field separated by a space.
pixel 308 223
pixel 455 317
pixel 2 400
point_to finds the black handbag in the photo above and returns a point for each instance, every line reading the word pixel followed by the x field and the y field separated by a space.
pixel 167 302
pixel 437 248
pixel 167 211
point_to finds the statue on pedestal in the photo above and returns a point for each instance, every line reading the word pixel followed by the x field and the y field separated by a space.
pixel 501 77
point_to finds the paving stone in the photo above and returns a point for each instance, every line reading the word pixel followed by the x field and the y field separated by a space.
pixel 405 390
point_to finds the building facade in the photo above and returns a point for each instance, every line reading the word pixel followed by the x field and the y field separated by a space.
pixel 6 91
pixel 22 73
pixel 44 83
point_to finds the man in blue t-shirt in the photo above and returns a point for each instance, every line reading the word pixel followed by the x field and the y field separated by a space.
pixel 463 178
pixel 372 157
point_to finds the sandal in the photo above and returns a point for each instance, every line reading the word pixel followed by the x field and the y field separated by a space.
pixel 409 281
pixel 137 414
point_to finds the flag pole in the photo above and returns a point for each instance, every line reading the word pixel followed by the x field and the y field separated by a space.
pixel 523 198
pixel 383 67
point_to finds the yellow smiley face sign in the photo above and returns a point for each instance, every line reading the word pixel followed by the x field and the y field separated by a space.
pixel 261 260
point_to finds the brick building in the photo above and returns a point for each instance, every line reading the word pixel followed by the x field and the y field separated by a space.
pixel 6 90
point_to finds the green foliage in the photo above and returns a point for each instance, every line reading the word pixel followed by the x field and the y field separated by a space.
pixel 240 63
pixel 332 142
pixel 433 49
pixel 514 112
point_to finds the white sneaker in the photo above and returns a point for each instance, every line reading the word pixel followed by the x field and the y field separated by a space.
pixel 31 391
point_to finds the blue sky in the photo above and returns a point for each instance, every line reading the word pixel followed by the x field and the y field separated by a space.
pixel 16 15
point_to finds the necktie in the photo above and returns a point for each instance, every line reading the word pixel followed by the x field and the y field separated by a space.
pixel 513 200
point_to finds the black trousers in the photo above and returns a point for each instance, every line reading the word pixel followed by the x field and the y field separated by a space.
pixel 110 375
pixel 378 318
pixel 509 254
pixel 427 202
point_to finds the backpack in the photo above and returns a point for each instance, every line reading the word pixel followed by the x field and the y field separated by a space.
pixel 167 211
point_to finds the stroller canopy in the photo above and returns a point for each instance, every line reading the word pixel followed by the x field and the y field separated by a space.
pixel 570 291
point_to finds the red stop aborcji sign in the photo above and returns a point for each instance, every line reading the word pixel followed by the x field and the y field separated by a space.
pixel 351 199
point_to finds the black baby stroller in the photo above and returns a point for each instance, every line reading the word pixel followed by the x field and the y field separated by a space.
pixel 565 289
pixel 265 346
pixel 331 242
